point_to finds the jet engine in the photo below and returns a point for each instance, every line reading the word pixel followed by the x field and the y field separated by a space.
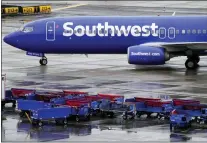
pixel 146 55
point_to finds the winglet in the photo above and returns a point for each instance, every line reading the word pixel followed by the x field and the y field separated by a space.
pixel 173 13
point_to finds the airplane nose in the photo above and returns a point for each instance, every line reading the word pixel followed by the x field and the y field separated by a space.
pixel 11 39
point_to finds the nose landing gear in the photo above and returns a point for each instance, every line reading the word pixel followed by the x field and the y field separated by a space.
pixel 43 61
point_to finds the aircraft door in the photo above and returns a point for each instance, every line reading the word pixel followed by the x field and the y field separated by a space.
pixel 50 31
pixel 171 33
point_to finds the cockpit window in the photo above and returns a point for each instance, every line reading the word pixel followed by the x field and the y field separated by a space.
pixel 21 28
pixel 26 29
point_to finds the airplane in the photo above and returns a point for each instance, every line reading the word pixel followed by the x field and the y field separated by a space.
pixel 147 40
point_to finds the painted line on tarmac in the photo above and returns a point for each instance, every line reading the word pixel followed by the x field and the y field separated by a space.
pixel 67 7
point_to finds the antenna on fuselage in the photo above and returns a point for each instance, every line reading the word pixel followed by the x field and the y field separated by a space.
pixel 174 13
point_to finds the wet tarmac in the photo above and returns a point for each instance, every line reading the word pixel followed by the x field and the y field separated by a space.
pixel 106 74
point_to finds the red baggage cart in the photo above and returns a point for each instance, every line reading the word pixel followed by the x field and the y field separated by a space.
pixel 178 102
pixel 17 93
pixel 143 99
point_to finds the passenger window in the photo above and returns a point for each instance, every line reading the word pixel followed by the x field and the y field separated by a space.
pixel 162 31
pixel 183 31
pixel 189 31
pixel 177 31
pixel 194 31
pixel 204 31
pixel 199 31
pixel 171 31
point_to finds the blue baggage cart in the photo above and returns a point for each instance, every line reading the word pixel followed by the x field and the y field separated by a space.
pixel 59 114
pixel 82 112
pixel 180 121
pixel 111 108
pixel 28 106
pixel 162 108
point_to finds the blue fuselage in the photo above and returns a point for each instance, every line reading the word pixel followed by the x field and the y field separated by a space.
pixel 106 35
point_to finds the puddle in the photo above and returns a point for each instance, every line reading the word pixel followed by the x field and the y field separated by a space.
pixel 52 132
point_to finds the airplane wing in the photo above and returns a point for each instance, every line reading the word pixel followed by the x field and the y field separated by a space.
pixel 179 46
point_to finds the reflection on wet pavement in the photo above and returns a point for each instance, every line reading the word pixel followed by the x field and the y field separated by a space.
pixel 98 130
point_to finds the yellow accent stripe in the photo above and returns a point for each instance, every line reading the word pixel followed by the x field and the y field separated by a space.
pixel 28 118
pixel 71 6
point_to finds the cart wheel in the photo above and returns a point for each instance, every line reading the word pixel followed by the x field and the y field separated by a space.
pixel 198 120
pixel 65 122
pixel 111 115
pixel 201 122
pixel 40 124
pixel 125 117
pixel 148 115
pixel 77 119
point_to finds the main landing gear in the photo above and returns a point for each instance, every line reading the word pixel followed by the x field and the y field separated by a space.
pixel 192 62
pixel 43 61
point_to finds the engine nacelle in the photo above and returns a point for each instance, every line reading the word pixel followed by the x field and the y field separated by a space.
pixel 145 55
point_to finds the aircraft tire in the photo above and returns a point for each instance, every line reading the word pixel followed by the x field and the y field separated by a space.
pixel 43 62
pixel 191 64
